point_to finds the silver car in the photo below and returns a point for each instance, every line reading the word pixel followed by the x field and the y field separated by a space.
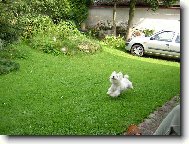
pixel 166 43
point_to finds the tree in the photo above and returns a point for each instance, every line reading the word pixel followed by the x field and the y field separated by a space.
pixel 114 17
pixel 131 16
pixel 115 2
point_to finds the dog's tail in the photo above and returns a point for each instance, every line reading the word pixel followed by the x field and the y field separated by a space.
pixel 126 76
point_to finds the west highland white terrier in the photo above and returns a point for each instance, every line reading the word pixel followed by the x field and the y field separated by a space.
pixel 119 83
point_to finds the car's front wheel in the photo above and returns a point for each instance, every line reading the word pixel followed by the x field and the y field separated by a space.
pixel 137 50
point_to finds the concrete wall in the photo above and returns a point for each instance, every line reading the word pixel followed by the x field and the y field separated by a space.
pixel 144 17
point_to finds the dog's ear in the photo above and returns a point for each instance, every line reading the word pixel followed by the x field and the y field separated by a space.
pixel 126 76
pixel 120 75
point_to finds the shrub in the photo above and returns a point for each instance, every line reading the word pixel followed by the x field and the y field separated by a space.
pixel 88 46
pixel 7 66
pixel 75 10
pixel 8 54
pixel 10 29
pixel 114 42
pixel 13 51
pixel 9 32
pixel 59 38
pixel 148 32
pixel 32 23
pixel 17 16
pixel 1 44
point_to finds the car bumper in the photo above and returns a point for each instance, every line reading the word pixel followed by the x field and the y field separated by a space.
pixel 127 46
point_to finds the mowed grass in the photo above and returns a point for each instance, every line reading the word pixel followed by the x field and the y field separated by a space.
pixel 62 95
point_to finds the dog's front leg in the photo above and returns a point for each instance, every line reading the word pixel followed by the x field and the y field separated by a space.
pixel 110 90
pixel 115 93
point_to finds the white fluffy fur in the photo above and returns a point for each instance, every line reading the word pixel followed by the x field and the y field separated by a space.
pixel 119 83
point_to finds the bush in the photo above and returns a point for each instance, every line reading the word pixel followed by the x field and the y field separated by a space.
pixel 17 16
pixel 13 51
pixel 7 66
pixel 8 54
pixel 75 10
pixel 114 42
pixel 148 32
pixel 10 29
pixel 9 32
pixel 59 38
pixel 34 24
pixel 1 44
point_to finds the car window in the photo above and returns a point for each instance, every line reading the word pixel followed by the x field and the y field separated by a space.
pixel 177 39
pixel 164 36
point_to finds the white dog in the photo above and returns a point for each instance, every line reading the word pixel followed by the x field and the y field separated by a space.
pixel 119 84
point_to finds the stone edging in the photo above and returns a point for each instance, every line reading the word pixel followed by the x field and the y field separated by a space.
pixel 150 124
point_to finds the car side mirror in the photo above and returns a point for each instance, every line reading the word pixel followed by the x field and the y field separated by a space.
pixel 152 38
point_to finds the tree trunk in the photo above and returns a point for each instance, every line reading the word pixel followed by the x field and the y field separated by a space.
pixel 114 19
pixel 130 21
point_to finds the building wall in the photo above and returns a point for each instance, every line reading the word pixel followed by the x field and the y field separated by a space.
pixel 144 17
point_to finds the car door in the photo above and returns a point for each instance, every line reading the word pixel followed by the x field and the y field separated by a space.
pixel 160 43
pixel 175 46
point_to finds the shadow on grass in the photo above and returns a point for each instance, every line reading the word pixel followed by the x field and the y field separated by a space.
pixel 172 59
pixel 123 96
pixel 150 59
pixel 160 57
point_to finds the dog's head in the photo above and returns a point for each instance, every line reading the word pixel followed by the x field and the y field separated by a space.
pixel 116 77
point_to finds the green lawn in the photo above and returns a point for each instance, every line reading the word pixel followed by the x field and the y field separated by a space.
pixel 65 95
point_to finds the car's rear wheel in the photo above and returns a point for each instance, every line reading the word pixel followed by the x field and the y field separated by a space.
pixel 137 50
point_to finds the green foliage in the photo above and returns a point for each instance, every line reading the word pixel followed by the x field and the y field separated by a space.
pixel 9 31
pixel 79 10
pixel 154 4
pixel 1 44
pixel 35 23
pixel 8 55
pixel 75 10
pixel 56 10
pixel 169 2
pixel 63 37
pixel 148 32
pixel 14 51
pixel 17 16
pixel 7 66
pixel 114 42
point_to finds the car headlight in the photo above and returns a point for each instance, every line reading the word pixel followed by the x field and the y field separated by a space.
pixel 127 42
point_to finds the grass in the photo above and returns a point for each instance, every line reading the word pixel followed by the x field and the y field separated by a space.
pixel 62 95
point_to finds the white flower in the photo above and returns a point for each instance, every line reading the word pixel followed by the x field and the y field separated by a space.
pixel 54 39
